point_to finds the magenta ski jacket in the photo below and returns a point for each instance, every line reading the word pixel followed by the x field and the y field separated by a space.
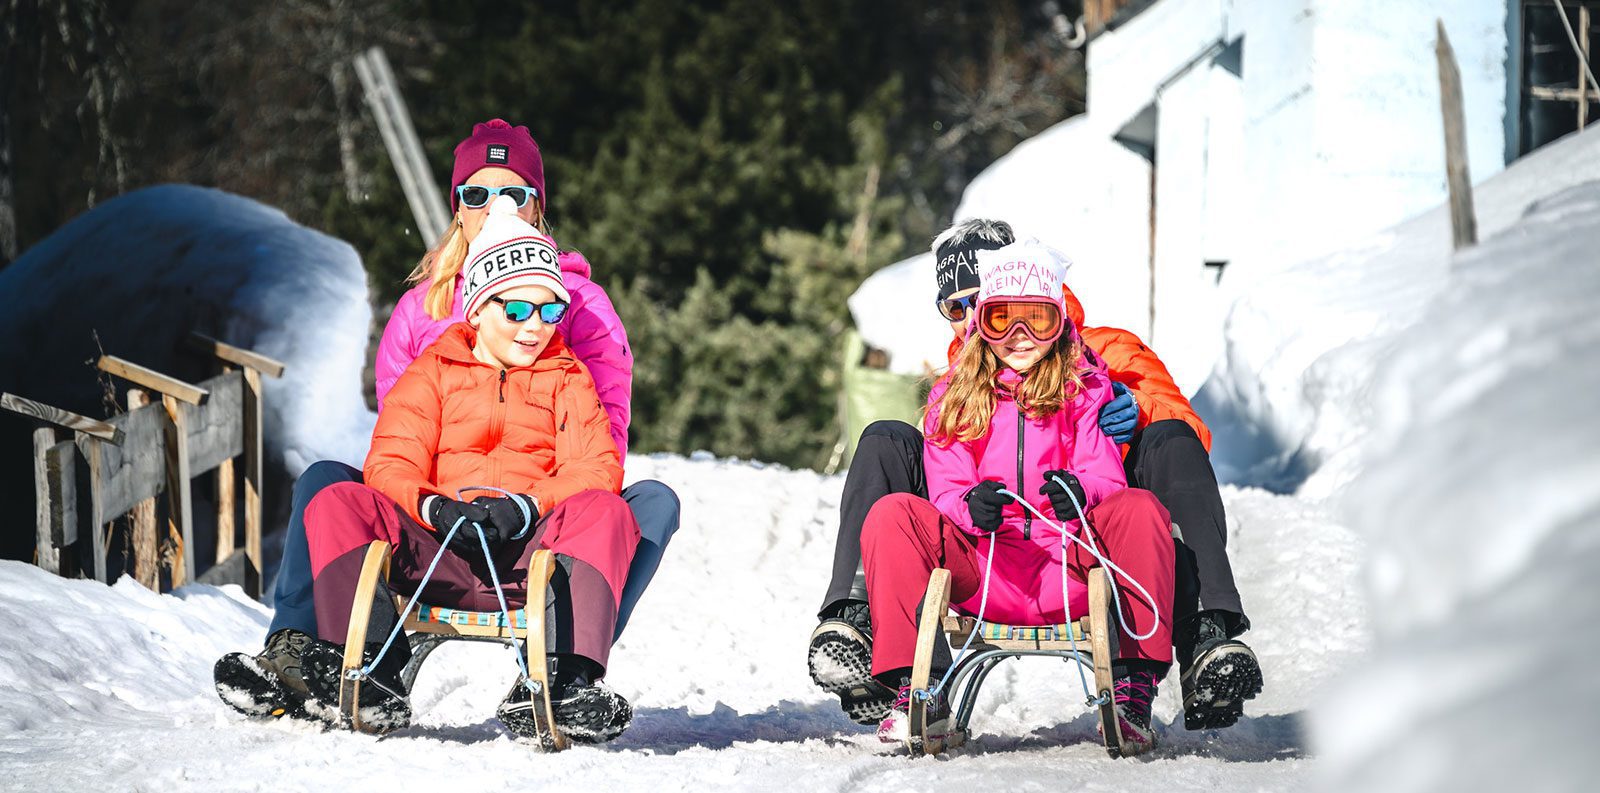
pixel 591 328
pixel 1026 582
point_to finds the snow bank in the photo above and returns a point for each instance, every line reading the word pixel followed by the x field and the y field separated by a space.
pixel 108 688
pixel 145 269
pixel 1292 394
pixel 884 309
pixel 1478 491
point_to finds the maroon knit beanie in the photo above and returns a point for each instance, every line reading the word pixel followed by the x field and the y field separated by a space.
pixel 497 143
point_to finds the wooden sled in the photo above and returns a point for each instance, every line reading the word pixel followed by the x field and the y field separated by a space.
pixel 1095 634
pixel 429 626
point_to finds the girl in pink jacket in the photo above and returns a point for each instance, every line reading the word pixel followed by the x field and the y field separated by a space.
pixel 1019 411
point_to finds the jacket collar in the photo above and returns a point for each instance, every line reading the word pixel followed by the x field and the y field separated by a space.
pixel 456 343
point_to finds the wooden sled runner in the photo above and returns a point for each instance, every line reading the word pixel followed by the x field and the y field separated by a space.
pixel 1095 635
pixel 427 627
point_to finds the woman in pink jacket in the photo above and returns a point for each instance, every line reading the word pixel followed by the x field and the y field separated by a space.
pixel 496 159
pixel 1019 411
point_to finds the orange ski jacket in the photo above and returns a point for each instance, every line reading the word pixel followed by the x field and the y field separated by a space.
pixel 452 421
pixel 1134 365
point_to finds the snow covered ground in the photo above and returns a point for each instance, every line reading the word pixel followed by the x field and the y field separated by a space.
pixel 109 688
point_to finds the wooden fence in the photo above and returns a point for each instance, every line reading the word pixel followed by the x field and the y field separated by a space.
pixel 89 473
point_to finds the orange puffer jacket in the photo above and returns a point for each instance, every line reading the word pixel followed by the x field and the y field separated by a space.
pixel 1135 366
pixel 452 421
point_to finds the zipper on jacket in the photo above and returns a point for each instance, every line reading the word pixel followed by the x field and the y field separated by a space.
pixel 1027 518
pixel 502 385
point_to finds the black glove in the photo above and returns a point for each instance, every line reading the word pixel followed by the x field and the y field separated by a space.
pixel 1058 495
pixel 984 503
pixel 444 512
pixel 506 515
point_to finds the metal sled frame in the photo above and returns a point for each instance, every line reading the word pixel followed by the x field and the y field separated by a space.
pixel 428 627
pixel 1095 634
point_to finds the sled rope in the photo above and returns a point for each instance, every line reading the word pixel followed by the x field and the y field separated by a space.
pixel 365 672
pixel 1092 547
pixel 983 605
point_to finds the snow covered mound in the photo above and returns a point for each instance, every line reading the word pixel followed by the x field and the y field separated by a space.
pixel 1292 393
pixel 109 688
pixel 145 269
pixel 1480 493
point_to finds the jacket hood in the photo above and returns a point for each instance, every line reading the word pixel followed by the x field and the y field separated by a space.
pixel 573 262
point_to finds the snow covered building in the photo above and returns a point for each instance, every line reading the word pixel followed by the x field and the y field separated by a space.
pixel 1226 139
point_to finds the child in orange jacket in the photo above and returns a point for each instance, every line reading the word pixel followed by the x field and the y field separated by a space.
pixel 500 402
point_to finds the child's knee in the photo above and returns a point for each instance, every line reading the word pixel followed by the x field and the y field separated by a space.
pixel 341 502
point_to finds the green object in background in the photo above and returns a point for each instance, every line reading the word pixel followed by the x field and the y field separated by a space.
pixel 875 394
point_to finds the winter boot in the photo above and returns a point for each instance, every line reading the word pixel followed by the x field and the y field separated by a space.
pixel 383 706
pixel 1132 694
pixel 1217 673
pixel 840 659
pixel 585 710
pixel 895 727
pixel 268 685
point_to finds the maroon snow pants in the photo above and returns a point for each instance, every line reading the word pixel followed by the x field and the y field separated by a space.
pixel 906 537
pixel 593 535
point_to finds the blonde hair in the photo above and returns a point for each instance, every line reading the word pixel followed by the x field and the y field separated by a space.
pixel 967 405
pixel 440 266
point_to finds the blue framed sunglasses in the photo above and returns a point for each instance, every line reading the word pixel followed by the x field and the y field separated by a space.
pixel 955 309
pixel 523 310
pixel 474 196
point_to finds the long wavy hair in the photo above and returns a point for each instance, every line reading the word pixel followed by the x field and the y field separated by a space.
pixel 967 405
pixel 440 266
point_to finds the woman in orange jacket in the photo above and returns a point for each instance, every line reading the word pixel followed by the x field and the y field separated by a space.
pixel 495 427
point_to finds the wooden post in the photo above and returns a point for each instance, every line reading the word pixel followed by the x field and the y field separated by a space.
pixel 92 451
pixel 1463 220
pixel 180 505
pixel 252 480
pixel 146 548
pixel 48 552
pixel 400 138
pixel 225 505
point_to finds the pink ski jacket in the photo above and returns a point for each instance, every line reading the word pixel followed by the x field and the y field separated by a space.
pixel 591 328
pixel 1026 583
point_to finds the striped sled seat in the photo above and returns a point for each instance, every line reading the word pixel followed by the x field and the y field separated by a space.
pixel 427 627
pixel 1095 636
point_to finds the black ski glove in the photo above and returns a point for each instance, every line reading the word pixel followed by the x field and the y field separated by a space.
pixel 984 503
pixel 1058 496
pixel 506 515
pixel 442 513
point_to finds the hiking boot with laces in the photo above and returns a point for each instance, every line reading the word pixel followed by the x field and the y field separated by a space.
pixel 840 661
pixel 895 727
pixel 383 705
pixel 267 685
pixel 1217 674
pixel 584 713
pixel 1132 695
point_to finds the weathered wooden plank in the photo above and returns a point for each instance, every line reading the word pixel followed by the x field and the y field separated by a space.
pixel 136 470
pixel 214 428
pixel 1463 219
pixel 151 379
pixel 181 505
pixel 47 553
pixel 237 355
pixel 225 508
pixel 62 469
pixel 93 450
pixel 146 548
pixel 250 399
pixel 61 418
